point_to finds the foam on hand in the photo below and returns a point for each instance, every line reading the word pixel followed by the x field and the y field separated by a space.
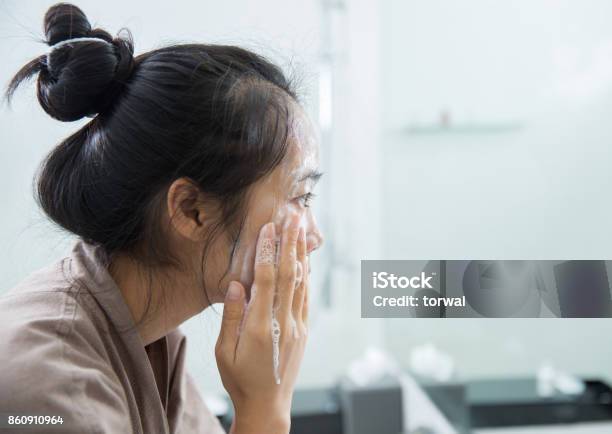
pixel 276 329
pixel 276 332
pixel 267 254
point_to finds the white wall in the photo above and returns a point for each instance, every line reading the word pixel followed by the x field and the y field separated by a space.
pixel 539 192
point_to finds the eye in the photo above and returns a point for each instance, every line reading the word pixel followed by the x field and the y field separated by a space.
pixel 305 199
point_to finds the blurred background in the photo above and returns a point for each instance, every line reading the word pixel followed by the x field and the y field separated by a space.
pixel 449 130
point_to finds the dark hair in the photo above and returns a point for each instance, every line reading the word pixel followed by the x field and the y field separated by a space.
pixel 218 115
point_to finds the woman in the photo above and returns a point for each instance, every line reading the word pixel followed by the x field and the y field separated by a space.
pixel 190 186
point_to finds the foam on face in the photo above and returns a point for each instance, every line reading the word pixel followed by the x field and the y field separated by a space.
pixel 281 186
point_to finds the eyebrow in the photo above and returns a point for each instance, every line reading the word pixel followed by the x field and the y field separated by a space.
pixel 313 175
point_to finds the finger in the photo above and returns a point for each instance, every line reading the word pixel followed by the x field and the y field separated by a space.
pixel 287 268
pixel 233 311
pixel 262 291
pixel 298 296
pixel 306 279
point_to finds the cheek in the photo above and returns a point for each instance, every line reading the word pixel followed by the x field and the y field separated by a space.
pixel 287 211
pixel 242 267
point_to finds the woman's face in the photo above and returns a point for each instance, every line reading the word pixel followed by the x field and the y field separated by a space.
pixel 285 192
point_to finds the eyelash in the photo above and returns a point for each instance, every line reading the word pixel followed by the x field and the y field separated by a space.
pixel 305 199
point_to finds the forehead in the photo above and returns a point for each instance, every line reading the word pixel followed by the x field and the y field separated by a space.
pixel 302 158
pixel 303 145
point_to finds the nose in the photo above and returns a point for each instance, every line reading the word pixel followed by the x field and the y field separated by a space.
pixel 314 239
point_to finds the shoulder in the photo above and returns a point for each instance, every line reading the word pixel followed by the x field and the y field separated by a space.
pixel 44 313
pixel 52 355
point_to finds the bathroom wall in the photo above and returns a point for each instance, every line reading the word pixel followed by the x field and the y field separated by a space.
pixel 498 146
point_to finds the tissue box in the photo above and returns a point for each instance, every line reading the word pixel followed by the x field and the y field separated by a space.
pixel 371 409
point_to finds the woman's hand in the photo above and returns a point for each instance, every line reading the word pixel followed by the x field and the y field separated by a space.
pixel 244 350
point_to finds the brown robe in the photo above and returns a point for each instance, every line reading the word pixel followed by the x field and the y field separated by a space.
pixel 69 348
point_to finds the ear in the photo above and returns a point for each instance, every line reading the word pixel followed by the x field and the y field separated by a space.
pixel 186 209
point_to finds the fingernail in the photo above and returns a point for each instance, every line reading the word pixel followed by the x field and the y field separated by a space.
pixel 302 235
pixel 266 249
pixel 233 291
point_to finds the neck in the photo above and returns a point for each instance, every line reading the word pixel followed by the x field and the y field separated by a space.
pixel 159 300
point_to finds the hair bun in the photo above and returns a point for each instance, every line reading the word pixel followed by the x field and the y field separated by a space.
pixel 84 77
